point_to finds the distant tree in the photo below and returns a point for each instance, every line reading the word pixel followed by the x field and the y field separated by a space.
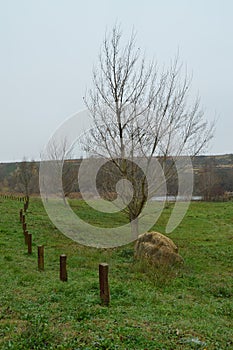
pixel 139 111
pixel 210 182
pixel 226 179
pixel 59 156
pixel 27 177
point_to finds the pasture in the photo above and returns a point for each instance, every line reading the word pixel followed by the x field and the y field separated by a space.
pixel 184 307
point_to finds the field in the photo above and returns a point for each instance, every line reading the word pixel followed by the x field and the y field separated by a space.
pixel 186 307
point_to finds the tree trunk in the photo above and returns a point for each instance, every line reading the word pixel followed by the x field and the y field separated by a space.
pixel 134 228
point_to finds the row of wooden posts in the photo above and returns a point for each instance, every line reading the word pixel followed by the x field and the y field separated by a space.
pixel 103 267
pixel 14 197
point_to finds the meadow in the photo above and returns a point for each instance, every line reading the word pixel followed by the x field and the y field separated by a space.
pixel 182 307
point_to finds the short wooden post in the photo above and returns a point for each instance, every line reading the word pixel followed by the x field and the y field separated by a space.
pixel 26 204
pixel 103 281
pixel 26 237
pixel 29 243
pixel 63 271
pixel 24 227
pixel 40 257
pixel 21 215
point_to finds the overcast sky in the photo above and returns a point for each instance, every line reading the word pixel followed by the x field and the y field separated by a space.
pixel 48 49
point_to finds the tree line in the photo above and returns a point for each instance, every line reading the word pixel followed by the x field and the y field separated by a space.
pixel 213 178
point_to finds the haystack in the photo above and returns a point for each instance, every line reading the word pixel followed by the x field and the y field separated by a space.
pixel 157 249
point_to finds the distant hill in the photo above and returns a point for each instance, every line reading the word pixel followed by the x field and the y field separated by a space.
pixel 220 161
pixel 213 173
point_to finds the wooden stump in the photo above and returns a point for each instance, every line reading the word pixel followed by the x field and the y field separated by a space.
pixel 24 227
pixel 104 287
pixel 63 270
pixel 40 257
pixel 26 237
pixel 29 243
pixel 21 215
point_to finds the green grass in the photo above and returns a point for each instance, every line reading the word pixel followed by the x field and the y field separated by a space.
pixel 186 307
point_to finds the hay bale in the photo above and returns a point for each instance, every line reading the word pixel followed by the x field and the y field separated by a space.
pixel 157 249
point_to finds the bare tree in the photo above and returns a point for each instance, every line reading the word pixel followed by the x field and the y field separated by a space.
pixel 210 181
pixel 140 111
pixel 27 177
pixel 59 155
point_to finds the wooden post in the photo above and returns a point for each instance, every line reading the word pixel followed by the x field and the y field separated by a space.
pixel 40 257
pixel 26 237
pixel 26 204
pixel 24 227
pixel 104 287
pixel 63 271
pixel 21 215
pixel 29 243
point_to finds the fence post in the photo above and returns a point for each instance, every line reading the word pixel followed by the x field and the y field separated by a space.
pixel 24 227
pixel 21 215
pixel 103 281
pixel 29 243
pixel 26 237
pixel 40 257
pixel 63 271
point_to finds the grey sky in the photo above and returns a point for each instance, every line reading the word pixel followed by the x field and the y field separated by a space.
pixel 48 49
